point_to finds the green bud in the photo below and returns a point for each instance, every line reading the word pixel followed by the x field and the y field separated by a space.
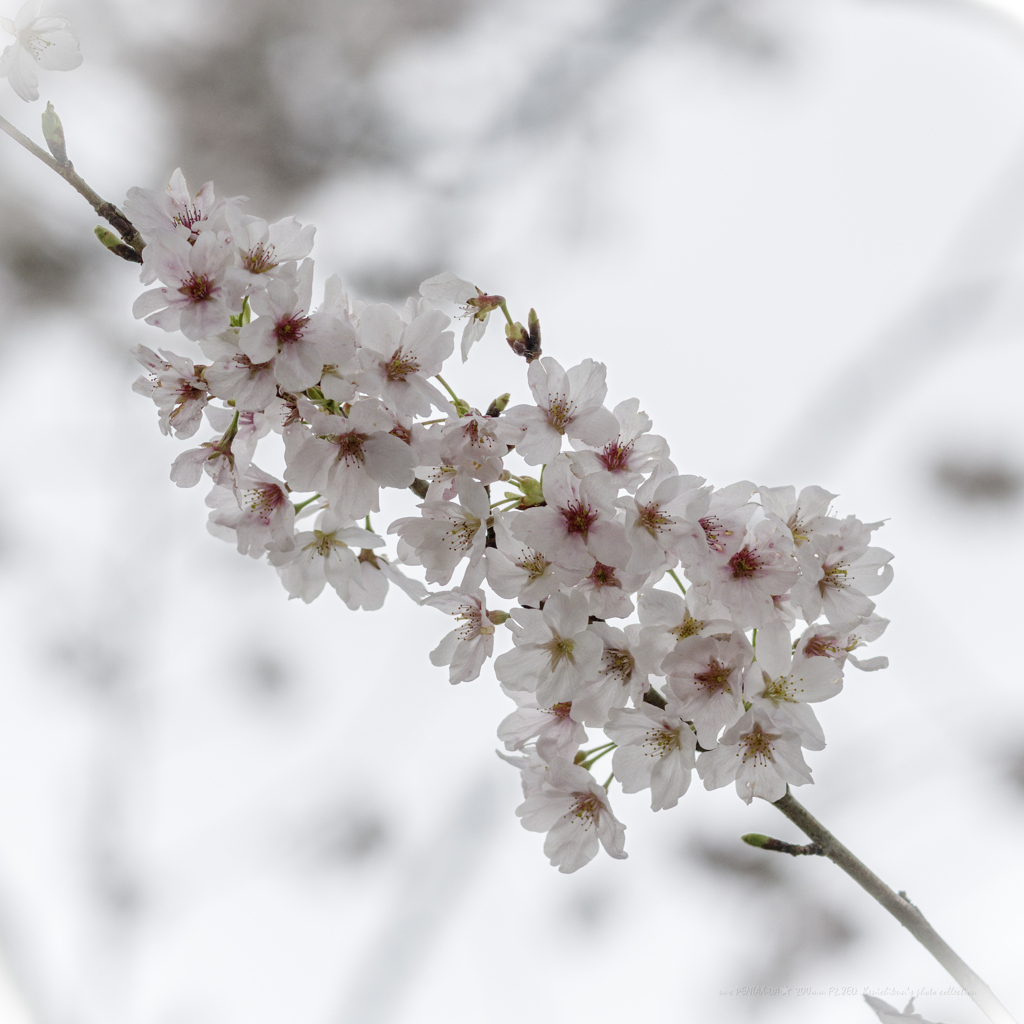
pixel 497 617
pixel 499 405
pixel 53 132
pixel 756 839
pixel 533 493
pixel 108 238
pixel 581 756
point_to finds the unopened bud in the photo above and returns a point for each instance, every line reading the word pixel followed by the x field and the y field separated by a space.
pixel 533 341
pixel 517 336
pixel 498 617
pixel 533 492
pixel 756 839
pixel 53 132
pixel 499 405
pixel 108 238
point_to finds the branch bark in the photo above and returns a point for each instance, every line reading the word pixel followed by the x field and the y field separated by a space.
pixel 132 250
pixel 899 906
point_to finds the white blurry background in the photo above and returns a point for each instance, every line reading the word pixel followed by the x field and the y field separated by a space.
pixel 791 228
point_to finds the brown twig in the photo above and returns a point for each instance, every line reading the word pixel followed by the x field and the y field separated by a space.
pixel 132 249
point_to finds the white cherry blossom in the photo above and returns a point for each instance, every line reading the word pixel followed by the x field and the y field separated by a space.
pixel 263 250
pixel 841 574
pixel 759 756
pixel 555 654
pixel 607 590
pixel 622 675
pixel 803 514
pixel 298 343
pixel 41 41
pixel 257 514
pixel 323 555
pixel 663 521
pixel 176 387
pixel 569 404
pixel 398 356
pixel 577 526
pixel 518 572
pixel 705 682
pixel 783 687
pixel 626 452
pixel 556 733
pixel 748 570
pixel 825 641
pixel 469 645
pixel 476 305
pixel 574 811
pixel 656 751
pixel 667 618
pixel 348 458
pixel 199 297
pixel 446 532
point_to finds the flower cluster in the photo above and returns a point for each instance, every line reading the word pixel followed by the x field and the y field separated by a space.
pixel 592 537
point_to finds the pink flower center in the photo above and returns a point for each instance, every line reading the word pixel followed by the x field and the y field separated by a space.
pixel 290 330
pixel 578 518
pixel 619 663
pixel 189 216
pixel 713 530
pixel 616 456
pixel 820 646
pixel 651 518
pixel 561 711
pixel 197 288
pixel 350 448
pixel 586 809
pixel 263 501
pixel 744 564
pixel 688 627
pixel 757 744
pixel 604 576
pixel 559 413
pixel 714 679
pixel 260 258
pixel 399 366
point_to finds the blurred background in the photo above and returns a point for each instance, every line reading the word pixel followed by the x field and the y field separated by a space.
pixel 793 229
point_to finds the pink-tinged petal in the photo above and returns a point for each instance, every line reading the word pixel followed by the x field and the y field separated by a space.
pixel 540 445
pixel 150 302
pixel 774 653
pixel 298 366
pixel 607 542
pixel 258 340
pixel 594 427
pixel 389 461
pixel 380 328
pixel 204 319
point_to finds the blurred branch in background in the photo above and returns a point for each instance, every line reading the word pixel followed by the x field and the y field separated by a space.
pixel 973 276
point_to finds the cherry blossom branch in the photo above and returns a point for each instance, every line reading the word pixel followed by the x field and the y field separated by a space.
pixel 132 244
pixel 896 903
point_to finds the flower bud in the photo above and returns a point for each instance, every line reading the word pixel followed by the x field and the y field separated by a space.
pixel 53 132
pixel 498 406
pixel 108 238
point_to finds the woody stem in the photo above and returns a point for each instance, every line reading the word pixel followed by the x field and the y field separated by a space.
pixel 899 906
